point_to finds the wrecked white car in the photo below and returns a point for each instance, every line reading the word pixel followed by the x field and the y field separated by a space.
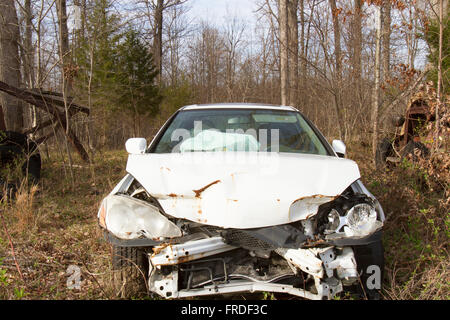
pixel 234 198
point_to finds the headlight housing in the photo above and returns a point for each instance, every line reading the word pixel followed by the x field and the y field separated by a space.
pixel 360 220
pixel 129 218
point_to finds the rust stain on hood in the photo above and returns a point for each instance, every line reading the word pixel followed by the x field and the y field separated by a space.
pixel 199 191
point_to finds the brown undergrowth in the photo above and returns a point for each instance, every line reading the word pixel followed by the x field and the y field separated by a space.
pixel 416 200
pixel 54 233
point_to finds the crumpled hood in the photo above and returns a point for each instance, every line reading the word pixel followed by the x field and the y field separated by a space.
pixel 242 189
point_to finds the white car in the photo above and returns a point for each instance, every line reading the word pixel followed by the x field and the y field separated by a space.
pixel 232 198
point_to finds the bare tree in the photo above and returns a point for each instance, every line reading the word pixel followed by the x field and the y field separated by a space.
pixel 376 88
pixel 338 66
pixel 10 64
pixel 386 38
pixel 302 43
pixel 177 29
pixel 439 84
pixel 234 30
pixel 155 14
pixel 292 8
pixel 207 63
pixel 29 54
pixel 28 61
pixel 64 50
pixel 284 52
pixel 157 36
pixel 357 49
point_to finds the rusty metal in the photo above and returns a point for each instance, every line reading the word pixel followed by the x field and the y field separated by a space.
pixel 158 249
pixel 199 191
pixel 311 207
pixel 316 196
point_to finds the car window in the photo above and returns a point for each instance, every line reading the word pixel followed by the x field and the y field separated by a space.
pixel 250 130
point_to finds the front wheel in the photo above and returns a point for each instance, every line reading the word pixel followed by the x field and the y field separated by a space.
pixel 130 269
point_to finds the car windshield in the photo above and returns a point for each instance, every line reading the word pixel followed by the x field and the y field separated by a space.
pixel 253 130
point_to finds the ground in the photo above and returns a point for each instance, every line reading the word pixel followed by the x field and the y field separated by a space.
pixel 53 230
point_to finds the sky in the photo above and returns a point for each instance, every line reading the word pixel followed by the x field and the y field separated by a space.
pixel 216 10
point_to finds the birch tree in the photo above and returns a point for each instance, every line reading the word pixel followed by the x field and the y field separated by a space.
pixel 376 88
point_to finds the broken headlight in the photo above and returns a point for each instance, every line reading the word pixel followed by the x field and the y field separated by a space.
pixel 130 218
pixel 354 217
pixel 361 220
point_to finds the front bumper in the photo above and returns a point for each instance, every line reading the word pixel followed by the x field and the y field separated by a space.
pixel 324 271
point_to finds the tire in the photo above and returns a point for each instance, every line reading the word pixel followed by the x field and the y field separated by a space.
pixel 13 138
pixel 130 269
pixel 32 168
pixel 14 145
pixel 409 151
pixel 370 265
pixel 384 150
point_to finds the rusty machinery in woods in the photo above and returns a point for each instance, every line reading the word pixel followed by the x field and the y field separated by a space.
pixel 413 136
pixel 21 148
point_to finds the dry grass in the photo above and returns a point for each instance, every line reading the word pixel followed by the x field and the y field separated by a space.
pixel 52 226
pixel 416 232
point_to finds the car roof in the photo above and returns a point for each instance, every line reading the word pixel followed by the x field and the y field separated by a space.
pixel 237 106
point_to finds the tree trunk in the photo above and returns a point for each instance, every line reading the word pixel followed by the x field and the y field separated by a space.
pixel 376 88
pixel 357 48
pixel 302 46
pixel 386 35
pixel 28 45
pixel 65 61
pixel 64 50
pixel 439 84
pixel 284 53
pixel 338 67
pixel 28 62
pixel 157 38
pixel 10 64
pixel 293 51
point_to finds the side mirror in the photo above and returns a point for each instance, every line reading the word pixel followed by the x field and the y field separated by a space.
pixel 339 148
pixel 136 145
